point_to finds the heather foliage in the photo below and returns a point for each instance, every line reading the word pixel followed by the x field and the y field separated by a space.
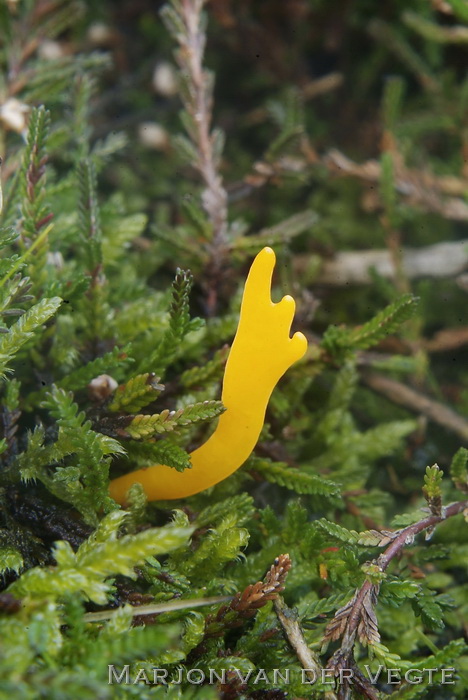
pixel 136 191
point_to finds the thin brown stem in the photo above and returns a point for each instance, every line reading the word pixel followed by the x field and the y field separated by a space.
pixel 419 403
pixel 369 590
pixel 199 105
pixel 295 636
pixel 407 535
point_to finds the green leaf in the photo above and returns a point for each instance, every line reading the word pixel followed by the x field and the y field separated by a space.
pixel 211 370
pixel 104 555
pixel 145 426
pixel 460 8
pixel 132 645
pixel 79 378
pixel 392 101
pixel 430 611
pixel 394 590
pixel 432 483
pixel 23 330
pixel 459 469
pixel 385 438
pixel 137 393
pixel 179 325
pixel 241 504
pixel 89 214
pixel 279 234
pixel 387 187
pixel 11 559
pixel 116 359
pixel 160 452
pixel 384 323
pixel 34 211
pixel 293 479
pixel 89 493
pixel 341 342
pixel 118 235
pixel 368 538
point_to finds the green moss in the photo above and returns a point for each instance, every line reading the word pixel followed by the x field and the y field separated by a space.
pixel 120 287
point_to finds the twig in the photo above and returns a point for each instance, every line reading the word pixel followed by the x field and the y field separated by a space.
pixel 441 194
pixel 442 6
pixel 245 604
pixel 357 617
pixel 308 660
pixel 321 86
pixel 199 104
pixel 158 608
pixel 419 403
pixel 457 34
pixel 205 147
pixel 402 394
pixel 443 341
pixel 407 535
pixel 421 188
pixel 447 339
pixel 312 89
pixel 403 538
pixel 350 267
pixel 407 179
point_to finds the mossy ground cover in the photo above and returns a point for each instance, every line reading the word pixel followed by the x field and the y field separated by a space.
pixel 138 185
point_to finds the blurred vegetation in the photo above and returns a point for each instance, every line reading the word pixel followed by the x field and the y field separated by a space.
pixel 134 199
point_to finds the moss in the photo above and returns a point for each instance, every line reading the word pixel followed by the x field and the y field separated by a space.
pixel 122 266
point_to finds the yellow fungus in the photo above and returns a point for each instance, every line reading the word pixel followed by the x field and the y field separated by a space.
pixel 261 353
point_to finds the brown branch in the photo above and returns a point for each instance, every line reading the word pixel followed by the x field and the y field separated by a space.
pixel 353 618
pixel 442 6
pixel 245 604
pixel 353 267
pixel 420 188
pixel 199 104
pixel 407 535
pixel 446 339
pixel 157 608
pixel 197 98
pixel 402 394
pixel 457 34
pixel 405 396
pixel 443 195
pixel 292 629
